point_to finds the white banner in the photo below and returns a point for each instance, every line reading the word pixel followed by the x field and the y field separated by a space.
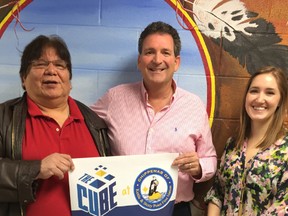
pixel 132 185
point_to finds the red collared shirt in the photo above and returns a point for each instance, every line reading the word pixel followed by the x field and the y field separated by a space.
pixel 43 136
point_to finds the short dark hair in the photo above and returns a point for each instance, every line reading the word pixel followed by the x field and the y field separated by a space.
pixel 35 48
pixel 162 28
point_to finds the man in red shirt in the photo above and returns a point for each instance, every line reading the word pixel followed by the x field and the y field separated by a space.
pixel 42 131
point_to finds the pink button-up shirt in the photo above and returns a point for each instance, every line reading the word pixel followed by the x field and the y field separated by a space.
pixel 181 127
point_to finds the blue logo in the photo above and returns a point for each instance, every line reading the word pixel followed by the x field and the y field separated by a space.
pixel 153 188
pixel 96 192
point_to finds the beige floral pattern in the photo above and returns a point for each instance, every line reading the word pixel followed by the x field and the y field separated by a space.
pixel 264 182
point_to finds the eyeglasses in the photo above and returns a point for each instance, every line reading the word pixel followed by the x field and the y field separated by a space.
pixel 43 64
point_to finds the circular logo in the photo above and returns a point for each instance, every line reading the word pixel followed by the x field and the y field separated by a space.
pixel 153 188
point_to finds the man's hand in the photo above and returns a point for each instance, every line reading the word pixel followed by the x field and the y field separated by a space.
pixel 189 163
pixel 55 165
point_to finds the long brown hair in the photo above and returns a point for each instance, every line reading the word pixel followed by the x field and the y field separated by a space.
pixel 276 128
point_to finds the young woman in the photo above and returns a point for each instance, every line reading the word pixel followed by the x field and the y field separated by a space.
pixel 253 175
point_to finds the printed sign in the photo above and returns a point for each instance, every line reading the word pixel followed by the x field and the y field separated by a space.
pixel 124 185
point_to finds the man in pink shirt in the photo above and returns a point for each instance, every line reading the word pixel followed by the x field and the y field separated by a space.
pixel 156 116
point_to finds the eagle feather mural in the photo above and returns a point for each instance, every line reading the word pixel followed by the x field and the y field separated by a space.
pixel 246 36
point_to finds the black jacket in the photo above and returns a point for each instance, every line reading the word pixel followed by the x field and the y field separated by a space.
pixel 17 185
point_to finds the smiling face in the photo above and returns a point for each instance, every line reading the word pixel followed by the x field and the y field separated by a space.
pixel 157 61
pixel 262 98
pixel 47 83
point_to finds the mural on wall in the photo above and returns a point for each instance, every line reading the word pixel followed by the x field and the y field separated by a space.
pixel 237 33
pixel 241 32
pixel 224 41
pixel 10 10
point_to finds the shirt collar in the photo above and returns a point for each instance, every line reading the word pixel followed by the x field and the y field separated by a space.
pixel 34 110
pixel 145 94
pixel 280 141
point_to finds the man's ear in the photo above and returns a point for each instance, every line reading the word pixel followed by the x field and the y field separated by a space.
pixel 177 62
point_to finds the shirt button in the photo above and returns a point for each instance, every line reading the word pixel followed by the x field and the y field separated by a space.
pixel 57 129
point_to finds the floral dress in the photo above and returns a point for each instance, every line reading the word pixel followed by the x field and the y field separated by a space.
pixel 261 187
